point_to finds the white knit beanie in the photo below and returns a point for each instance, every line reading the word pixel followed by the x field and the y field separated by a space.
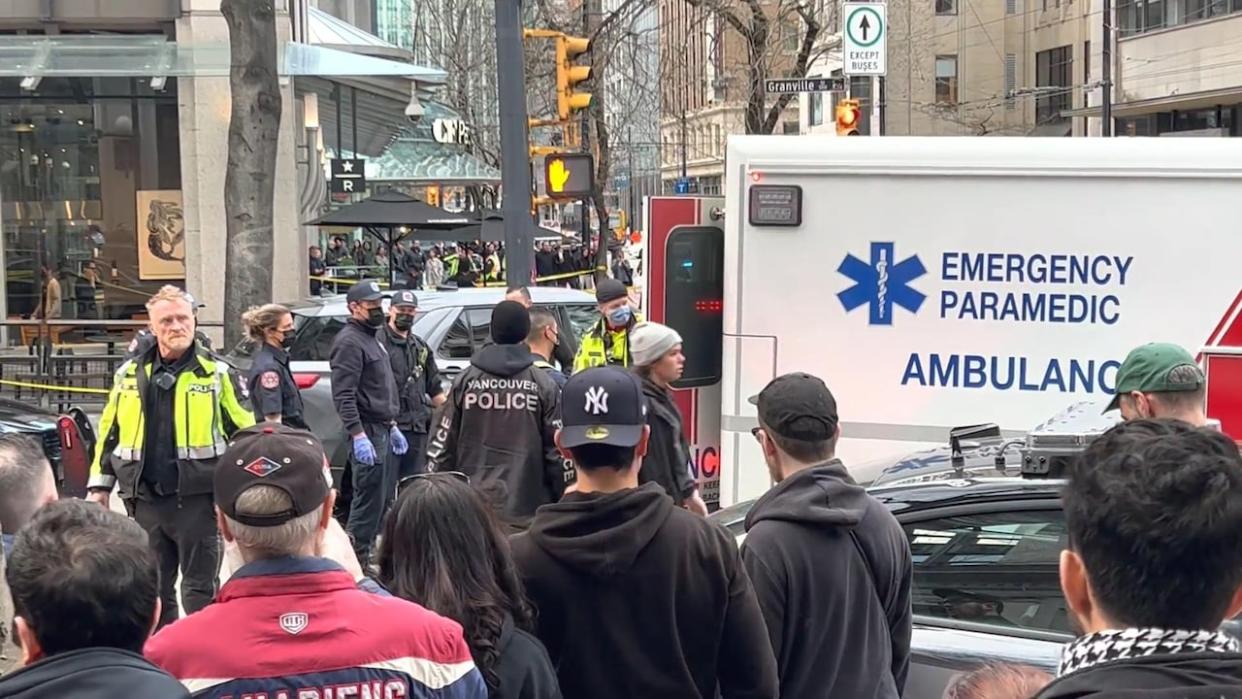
pixel 650 341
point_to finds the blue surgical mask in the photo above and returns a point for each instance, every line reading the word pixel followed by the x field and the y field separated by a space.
pixel 621 316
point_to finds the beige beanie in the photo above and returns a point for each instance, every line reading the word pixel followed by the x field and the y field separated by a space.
pixel 650 341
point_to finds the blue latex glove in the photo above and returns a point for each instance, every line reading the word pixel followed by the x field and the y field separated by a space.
pixel 399 445
pixel 364 450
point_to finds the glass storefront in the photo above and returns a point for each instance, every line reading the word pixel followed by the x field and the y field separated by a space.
pixel 90 180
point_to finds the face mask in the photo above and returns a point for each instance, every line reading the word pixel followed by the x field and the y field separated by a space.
pixel 404 322
pixel 375 317
pixel 621 316
pixel 286 340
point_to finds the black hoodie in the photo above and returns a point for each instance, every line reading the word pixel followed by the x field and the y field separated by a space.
pixel 639 598
pixel 92 673
pixel 831 567
pixel 498 426
pixel 1173 676
pixel 668 453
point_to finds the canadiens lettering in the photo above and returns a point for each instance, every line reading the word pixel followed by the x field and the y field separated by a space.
pixel 378 689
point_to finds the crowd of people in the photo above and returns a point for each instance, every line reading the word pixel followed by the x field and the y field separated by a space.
pixel 533 531
pixel 460 264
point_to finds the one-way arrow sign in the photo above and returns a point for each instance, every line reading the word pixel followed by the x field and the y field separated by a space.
pixel 866 39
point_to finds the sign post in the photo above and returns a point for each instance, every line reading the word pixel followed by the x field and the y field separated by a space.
pixel 865 39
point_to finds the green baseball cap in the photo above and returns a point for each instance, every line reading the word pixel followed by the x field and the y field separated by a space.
pixel 1147 368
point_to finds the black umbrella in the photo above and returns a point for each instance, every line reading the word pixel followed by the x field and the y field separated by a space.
pixel 392 209
pixel 489 225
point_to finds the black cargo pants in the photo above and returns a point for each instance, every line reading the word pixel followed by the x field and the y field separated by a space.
pixel 182 533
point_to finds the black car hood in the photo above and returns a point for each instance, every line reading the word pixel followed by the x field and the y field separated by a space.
pixel 20 417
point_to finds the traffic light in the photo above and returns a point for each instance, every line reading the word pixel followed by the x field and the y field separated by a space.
pixel 569 175
pixel 568 75
pixel 433 195
pixel 848 116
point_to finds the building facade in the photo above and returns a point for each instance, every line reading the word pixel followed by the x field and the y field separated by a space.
pixel 114 143
pixel 705 83
pixel 1035 68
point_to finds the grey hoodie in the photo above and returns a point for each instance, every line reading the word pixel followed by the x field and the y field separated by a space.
pixel 831 568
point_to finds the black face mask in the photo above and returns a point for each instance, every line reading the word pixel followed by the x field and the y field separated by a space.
pixel 286 340
pixel 375 317
pixel 403 322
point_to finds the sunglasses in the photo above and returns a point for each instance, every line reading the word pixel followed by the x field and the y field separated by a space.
pixel 408 480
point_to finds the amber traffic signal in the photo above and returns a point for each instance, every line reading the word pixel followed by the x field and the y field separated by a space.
pixel 569 74
pixel 848 116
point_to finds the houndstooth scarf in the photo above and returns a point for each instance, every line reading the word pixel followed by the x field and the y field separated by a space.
pixel 1107 646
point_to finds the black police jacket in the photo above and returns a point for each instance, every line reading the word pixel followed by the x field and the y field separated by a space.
pixel 272 389
pixel 417 376
pixel 363 389
pixel 498 426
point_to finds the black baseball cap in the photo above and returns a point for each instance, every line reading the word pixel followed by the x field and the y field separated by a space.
pixel 364 290
pixel 609 290
pixel 798 406
pixel 604 405
pixel 405 297
pixel 276 455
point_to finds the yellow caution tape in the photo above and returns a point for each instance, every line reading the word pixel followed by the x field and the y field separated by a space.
pixel 555 277
pixel 50 387
pixel 347 282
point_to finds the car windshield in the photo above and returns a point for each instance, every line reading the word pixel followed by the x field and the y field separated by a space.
pixel 313 336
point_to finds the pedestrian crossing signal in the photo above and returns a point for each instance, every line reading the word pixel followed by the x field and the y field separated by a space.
pixel 569 175
pixel 848 115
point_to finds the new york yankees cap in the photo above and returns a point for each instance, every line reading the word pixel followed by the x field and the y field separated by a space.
pixel 604 405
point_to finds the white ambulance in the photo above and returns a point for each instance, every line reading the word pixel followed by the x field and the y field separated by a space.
pixel 939 282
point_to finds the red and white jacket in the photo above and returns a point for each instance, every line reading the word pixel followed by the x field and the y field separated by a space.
pixel 299 628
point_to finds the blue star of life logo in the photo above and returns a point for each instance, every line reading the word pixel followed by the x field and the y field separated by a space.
pixel 882 284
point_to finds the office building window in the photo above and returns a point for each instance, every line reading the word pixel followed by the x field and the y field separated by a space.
pixel 1011 79
pixel 946 7
pixel 1053 70
pixel 946 79
pixel 1139 16
pixel 1011 7
pixel 816 117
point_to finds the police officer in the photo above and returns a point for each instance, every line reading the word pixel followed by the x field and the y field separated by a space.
pixel 167 421
pixel 543 340
pixel 273 393
pixel 365 396
pixel 500 420
pixel 144 340
pixel 608 341
pixel 417 377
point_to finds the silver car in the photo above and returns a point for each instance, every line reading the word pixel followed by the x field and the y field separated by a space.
pixel 454 323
